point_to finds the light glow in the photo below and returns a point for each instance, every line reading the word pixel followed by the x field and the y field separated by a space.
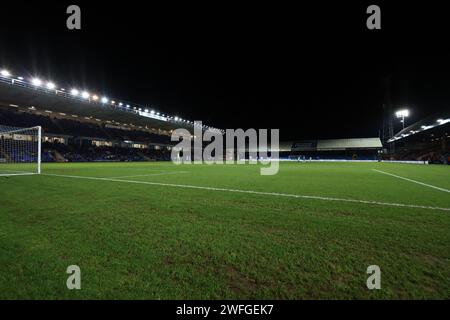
pixel 5 73
pixel 402 113
pixel 36 82
pixel 74 92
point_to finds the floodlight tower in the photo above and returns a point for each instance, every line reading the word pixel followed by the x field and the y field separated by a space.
pixel 402 114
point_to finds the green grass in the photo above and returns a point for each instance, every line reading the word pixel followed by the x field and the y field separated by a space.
pixel 166 242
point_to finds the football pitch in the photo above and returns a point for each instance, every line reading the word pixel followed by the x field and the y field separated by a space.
pixel 165 231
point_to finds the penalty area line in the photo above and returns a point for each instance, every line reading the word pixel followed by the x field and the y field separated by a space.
pixel 286 195
pixel 411 180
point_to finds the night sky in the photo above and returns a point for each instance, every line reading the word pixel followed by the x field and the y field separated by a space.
pixel 311 71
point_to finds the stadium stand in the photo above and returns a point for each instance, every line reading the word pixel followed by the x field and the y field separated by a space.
pixel 84 126
pixel 76 140
pixel 349 144
pixel 335 149
pixel 425 140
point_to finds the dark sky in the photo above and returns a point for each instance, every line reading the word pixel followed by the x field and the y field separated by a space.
pixel 313 71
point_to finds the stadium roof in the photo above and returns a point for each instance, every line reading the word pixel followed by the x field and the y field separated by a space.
pixel 431 122
pixel 357 143
pixel 337 144
pixel 46 96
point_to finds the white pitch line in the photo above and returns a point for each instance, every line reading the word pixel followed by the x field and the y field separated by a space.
pixel 288 195
pixel 150 174
pixel 410 180
pixel 16 174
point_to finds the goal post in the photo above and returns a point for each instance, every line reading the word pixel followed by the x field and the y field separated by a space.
pixel 20 150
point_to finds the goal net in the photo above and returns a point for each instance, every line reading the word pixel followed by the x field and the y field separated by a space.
pixel 20 151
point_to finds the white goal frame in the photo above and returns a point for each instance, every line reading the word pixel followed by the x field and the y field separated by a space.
pixel 20 151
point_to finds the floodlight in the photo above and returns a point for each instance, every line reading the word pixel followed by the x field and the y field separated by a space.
pixel 152 112
pixel 20 78
pixel 95 97
pixel 85 95
pixel 36 82
pixel 176 118
pixel 50 85
pixel 402 113
pixel 104 100
pixel 5 73
pixel 74 92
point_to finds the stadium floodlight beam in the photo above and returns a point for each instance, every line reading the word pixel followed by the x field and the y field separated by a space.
pixel 85 95
pixel 50 85
pixel 402 114
pixel 74 92
pixel 36 82
pixel 5 73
